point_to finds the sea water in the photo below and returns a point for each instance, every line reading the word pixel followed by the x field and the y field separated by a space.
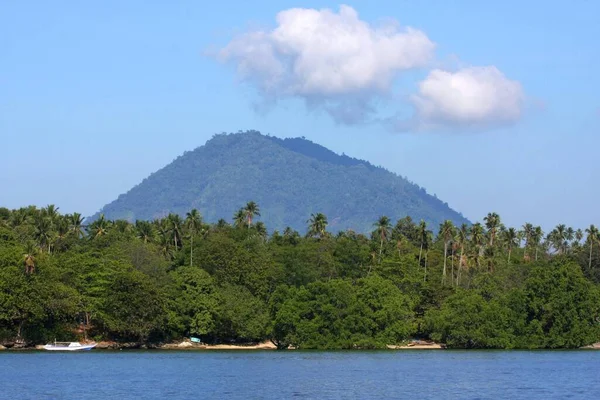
pixel 410 374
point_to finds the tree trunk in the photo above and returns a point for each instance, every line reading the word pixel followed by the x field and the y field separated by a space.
pixel 460 266
pixel 380 249
pixel 509 250
pixel 420 253
pixel 191 250
pixel 452 263
pixel 445 259
pixel 536 253
pixel 590 262
pixel 425 277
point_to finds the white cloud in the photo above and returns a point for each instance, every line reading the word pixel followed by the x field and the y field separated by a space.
pixel 472 97
pixel 331 59
pixel 340 64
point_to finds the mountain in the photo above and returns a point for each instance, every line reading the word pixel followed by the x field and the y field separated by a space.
pixel 288 178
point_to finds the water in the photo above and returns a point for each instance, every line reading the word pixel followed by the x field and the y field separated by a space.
pixel 305 375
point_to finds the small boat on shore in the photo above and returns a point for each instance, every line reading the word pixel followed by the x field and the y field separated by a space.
pixel 68 346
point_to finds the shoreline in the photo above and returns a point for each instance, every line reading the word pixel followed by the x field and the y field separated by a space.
pixel 187 345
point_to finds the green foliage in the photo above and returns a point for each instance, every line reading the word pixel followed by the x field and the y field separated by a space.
pixel 338 314
pixel 473 286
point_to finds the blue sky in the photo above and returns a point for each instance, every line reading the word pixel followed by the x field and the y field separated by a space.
pixel 95 97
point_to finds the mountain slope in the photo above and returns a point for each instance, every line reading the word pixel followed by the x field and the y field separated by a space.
pixel 288 178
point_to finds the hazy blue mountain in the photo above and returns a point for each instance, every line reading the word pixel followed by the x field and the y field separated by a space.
pixel 288 178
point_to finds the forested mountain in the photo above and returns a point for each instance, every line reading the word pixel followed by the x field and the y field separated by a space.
pixel 290 178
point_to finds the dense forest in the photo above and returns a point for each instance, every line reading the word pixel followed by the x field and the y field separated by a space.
pixel 289 178
pixel 481 285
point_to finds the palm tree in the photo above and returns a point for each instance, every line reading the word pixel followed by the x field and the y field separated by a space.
pixel 510 239
pixel 383 228
pixel 592 236
pixel 122 226
pixel 164 238
pixel 62 230
pixel 569 236
pixel 446 233
pixel 193 223
pixel 536 238
pixel 43 232
pixel 145 230
pixel 251 211
pixel 578 237
pixel 461 239
pixel 175 226
pixel 51 211
pixel 18 217
pixel 492 222
pixel 99 227
pixel 478 239
pixel 317 225
pixel 422 235
pixel 558 238
pixel 239 218
pixel 528 233
pixel 76 224
pixel 426 245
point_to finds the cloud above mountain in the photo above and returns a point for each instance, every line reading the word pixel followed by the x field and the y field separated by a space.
pixel 473 97
pixel 345 66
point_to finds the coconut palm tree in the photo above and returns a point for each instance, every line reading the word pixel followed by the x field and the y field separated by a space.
pixel 164 238
pixel 99 227
pixel 492 223
pixel 239 218
pixel 317 225
pixel 510 239
pixel 51 211
pixel 446 234
pixel 76 224
pixel 592 236
pixel 578 237
pixel 144 230
pixel 122 226
pixel 478 240
pixel 18 217
pixel 527 233
pixel 193 223
pixel 426 246
pixel 536 239
pixel 383 227
pixel 558 238
pixel 461 239
pixel 422 236
pixel 569 237
pixel 175 224
pixel 43 232
pixel 251 209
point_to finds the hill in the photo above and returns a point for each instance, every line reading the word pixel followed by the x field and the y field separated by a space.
pixel 288 178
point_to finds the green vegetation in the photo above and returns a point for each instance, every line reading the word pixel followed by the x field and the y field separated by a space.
pixel 291 179
pixel 472 286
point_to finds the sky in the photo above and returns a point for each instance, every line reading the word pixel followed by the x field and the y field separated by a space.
pixel 492 106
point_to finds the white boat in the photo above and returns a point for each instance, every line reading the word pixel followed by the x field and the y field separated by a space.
pixel 69 346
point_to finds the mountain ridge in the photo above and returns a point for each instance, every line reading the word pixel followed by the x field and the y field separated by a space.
pixel 289 178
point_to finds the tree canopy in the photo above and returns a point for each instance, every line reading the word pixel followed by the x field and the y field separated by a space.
pixel 471 286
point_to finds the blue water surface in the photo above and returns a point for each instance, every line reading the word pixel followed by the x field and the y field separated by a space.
pixel 269 375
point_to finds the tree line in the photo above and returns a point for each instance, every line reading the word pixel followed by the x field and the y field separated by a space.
pixel 482 285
